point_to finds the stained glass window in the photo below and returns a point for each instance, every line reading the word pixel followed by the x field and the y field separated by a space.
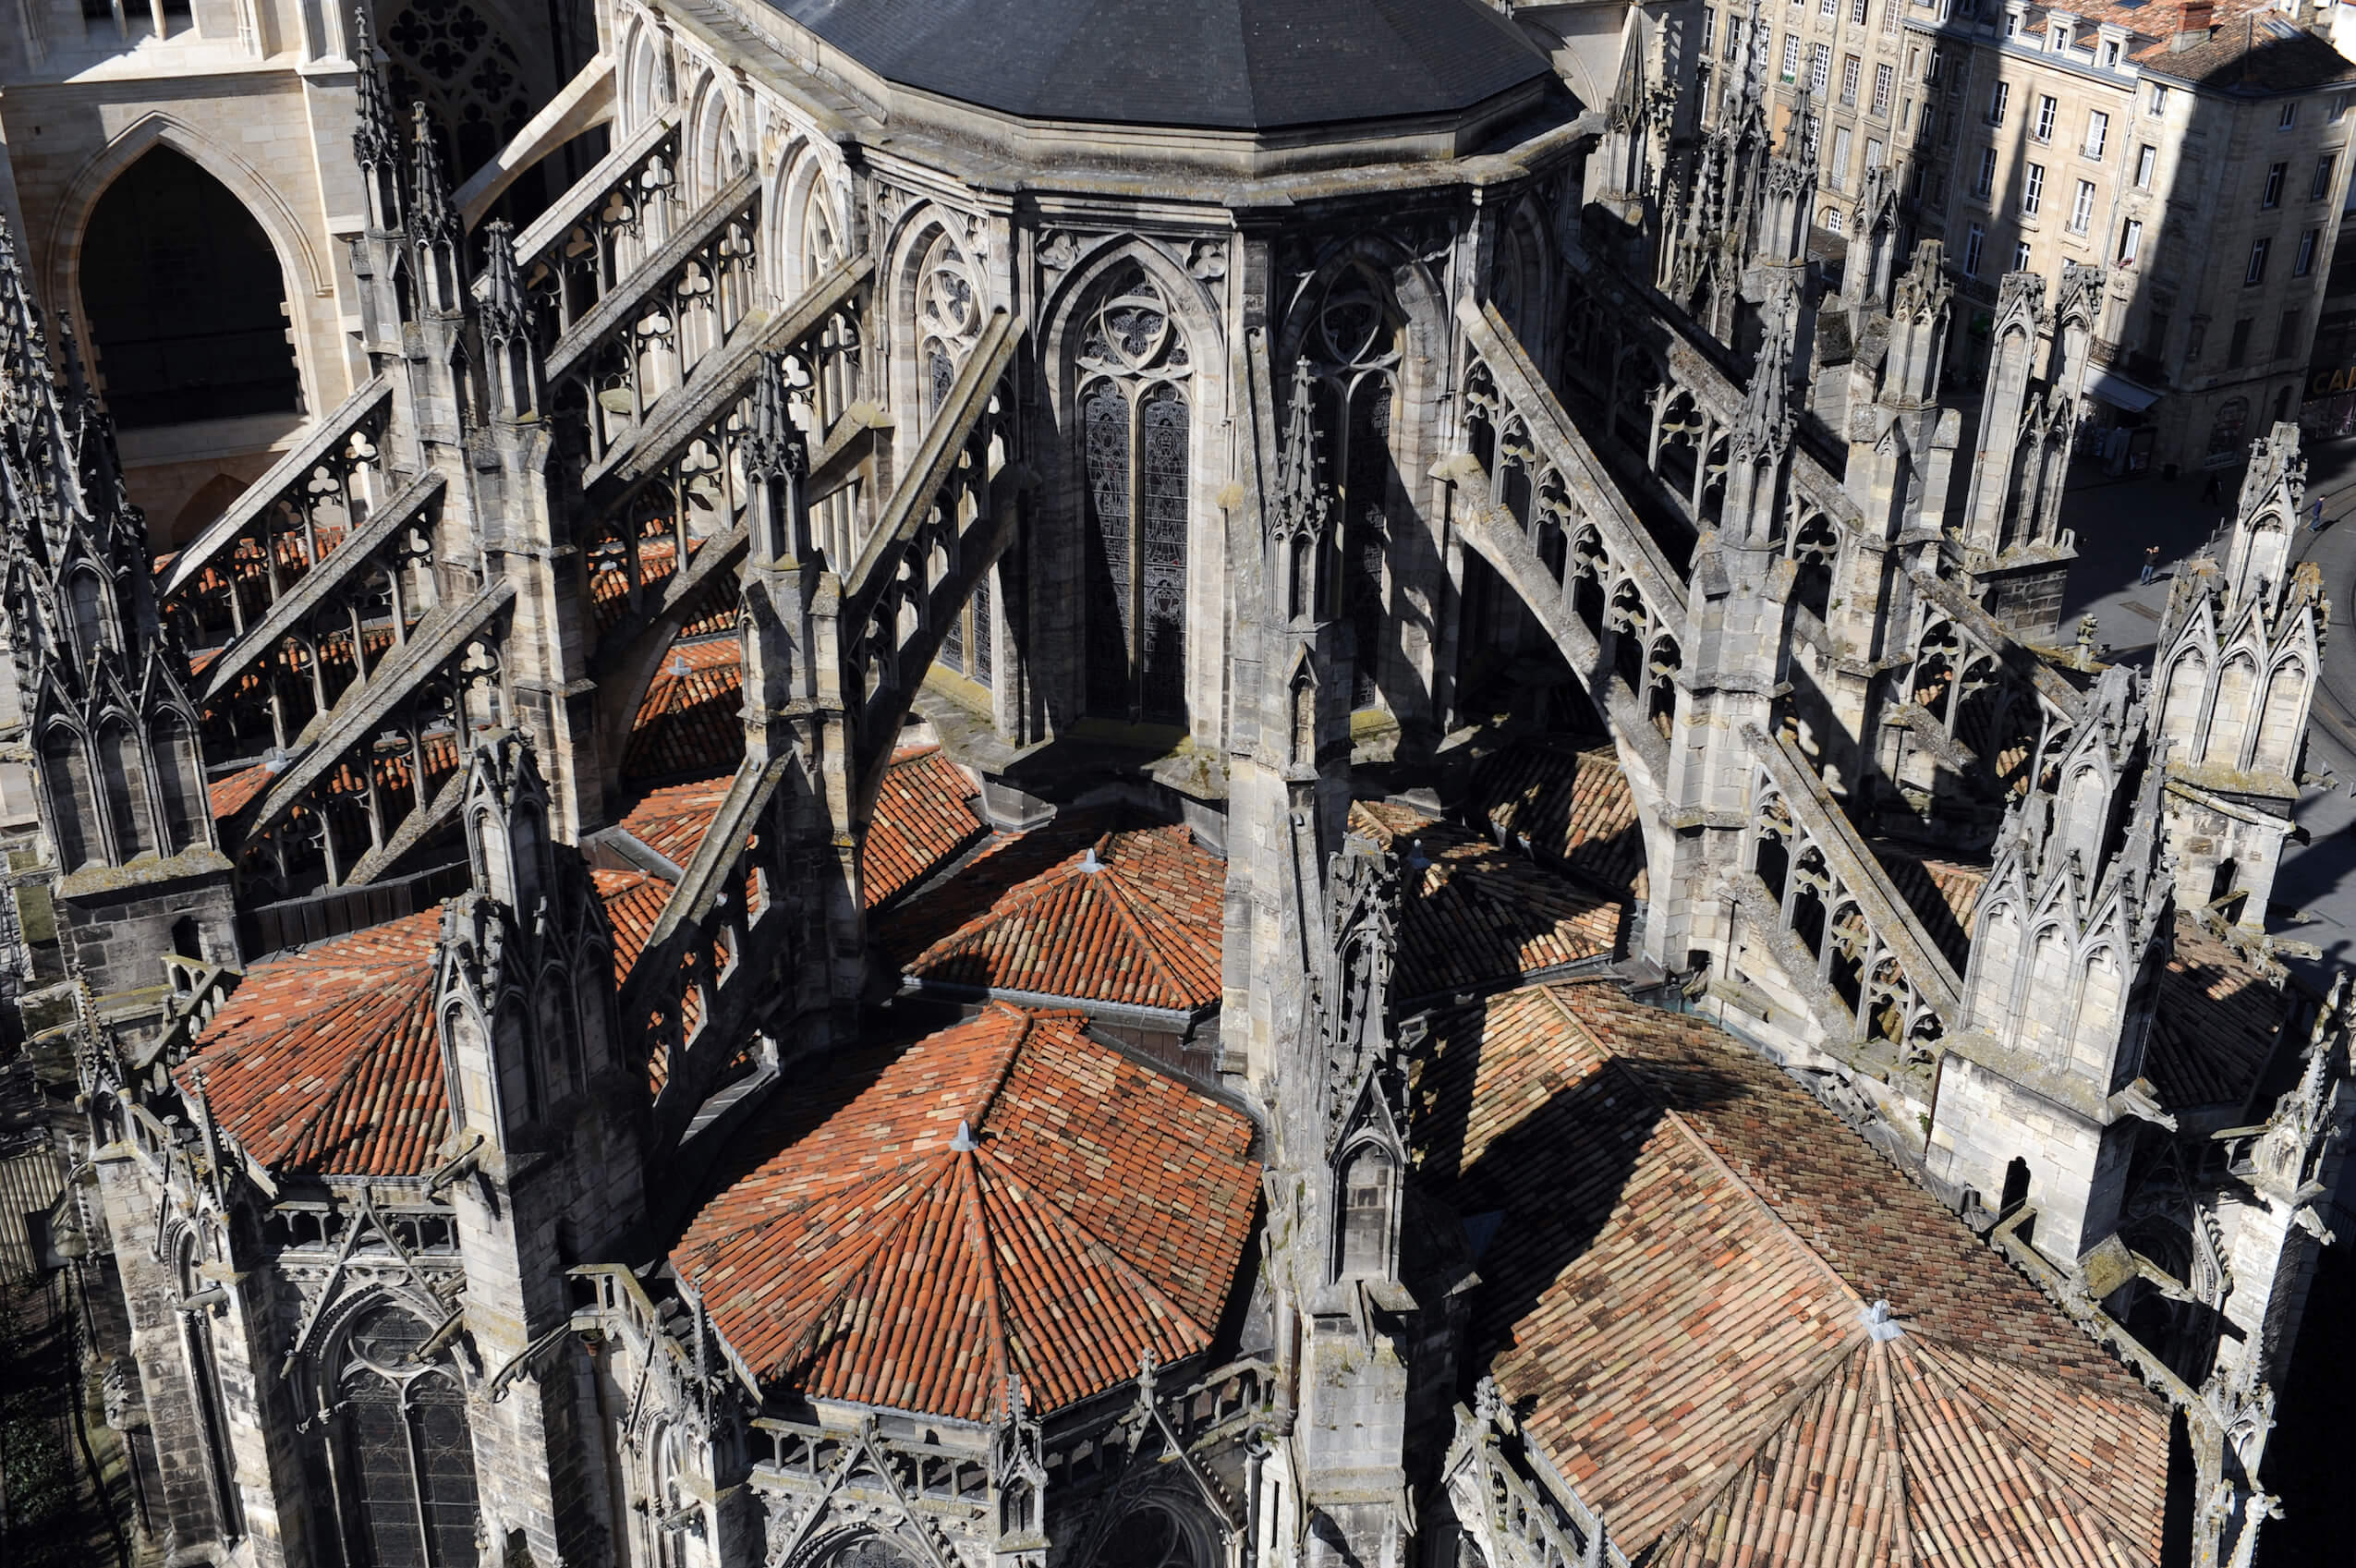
pixel 1133 431
pixel 1104 429
pixel 981 630
pixel 408 1456
pixel 1162 421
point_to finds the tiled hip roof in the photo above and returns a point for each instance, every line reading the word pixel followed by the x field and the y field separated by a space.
pixel 859 1253
pixel 1686 1240
pixel 1572 805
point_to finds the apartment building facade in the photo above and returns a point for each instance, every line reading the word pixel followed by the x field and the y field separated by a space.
pixel 2198 153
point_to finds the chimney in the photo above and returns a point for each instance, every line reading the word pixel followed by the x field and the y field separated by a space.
pixel 2193 25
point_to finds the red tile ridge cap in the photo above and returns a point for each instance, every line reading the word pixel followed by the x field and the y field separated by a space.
pixel 1026 1019
pixel 1099 1248
pixel 1738 1466
pixel 985 1257
pixel 1693 1135
pixel 1126 905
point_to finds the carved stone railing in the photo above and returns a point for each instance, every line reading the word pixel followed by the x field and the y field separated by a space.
pixel 1536 504
pixel 595 233
pixel 949 519
pixel 293 518
pixel 375 758
pixel 682 302
pixel 1829 893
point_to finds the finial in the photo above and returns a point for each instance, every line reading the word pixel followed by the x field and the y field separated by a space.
pixel 1089 862
pixel 964 1142
pixel 1880 1326
pixel 434 220
pixel 505 312
pixel 774 447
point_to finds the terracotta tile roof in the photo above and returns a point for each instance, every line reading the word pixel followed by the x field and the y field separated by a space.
pixel 855 1255
pixel 1686 1240
pixel 1574 806
pixel 1141 929
pixel 325 1060
pixel 234 792
pixel 924 816
pixel 2252 49
pixel 1480 915
pixel 925 813
pixel 610 589
pixel 690 722
pixel 673 820
pixel 1941 892
pixel 2219 1016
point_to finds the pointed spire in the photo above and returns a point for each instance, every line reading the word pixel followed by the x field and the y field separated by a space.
pixel 505 312
pixel 376 139
pixel 1763 427
pixel 1302 504
pixel 433 219
pixel 774 447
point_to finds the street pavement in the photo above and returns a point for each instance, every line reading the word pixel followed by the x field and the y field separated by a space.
pixel 2315 899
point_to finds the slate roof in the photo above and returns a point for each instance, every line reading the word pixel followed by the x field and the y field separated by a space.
pixel 690 722
pixel 1574 805
pixel 1141 928
pixel 855 1254
pixel 325 1060
pixel 1686 1243
pixel 2218 1018
pixel 1479 915
pixel 1229 64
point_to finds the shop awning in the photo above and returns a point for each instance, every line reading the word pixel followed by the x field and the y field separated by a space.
pixel 2119 392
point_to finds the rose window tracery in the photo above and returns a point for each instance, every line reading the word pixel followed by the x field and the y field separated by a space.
pixel 948 321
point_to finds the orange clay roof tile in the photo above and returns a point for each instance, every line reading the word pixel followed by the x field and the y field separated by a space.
pixel 691 720
pixel 925 813
pixel 1142 929
pixel 1687 1241
pixel 325 1061
pixel 1479 915
pixel 1574 806
pixel 855 1254
pixel 2219 1017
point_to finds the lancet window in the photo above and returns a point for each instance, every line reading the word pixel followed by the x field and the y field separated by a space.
pixel 405 1469
pixel 1354 343
pixel 1135 450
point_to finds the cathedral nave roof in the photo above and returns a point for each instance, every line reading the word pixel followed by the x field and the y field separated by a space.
pixel 1679 1301
pixel 1008 1195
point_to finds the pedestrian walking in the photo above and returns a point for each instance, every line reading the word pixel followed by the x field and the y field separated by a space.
pixel 2316 517
pixel 2151 561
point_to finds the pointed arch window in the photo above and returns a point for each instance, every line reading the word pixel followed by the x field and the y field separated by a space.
pixel 406 1460
pixel 1135 449
pixel 947 322
pixel 204 1373
pixel 1356 344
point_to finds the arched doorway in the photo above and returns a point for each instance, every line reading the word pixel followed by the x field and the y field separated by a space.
pixel 186 301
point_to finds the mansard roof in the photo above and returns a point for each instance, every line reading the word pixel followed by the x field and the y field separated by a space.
pixel 325 1060
pixel 1572 801
pixel 1678 1297
pixel 1226 65
pixel 864 1249
pixel 1080 910
pixel 1479 915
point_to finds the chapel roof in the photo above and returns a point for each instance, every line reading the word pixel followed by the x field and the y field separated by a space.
pixel 1082 909
pixel 1479 914
pixel 2219 1017
pixel 863 1249
pixel 325 1060
pixel 1224 65
pixel 1687 1245
pixel 1571 800
pixel 690 722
